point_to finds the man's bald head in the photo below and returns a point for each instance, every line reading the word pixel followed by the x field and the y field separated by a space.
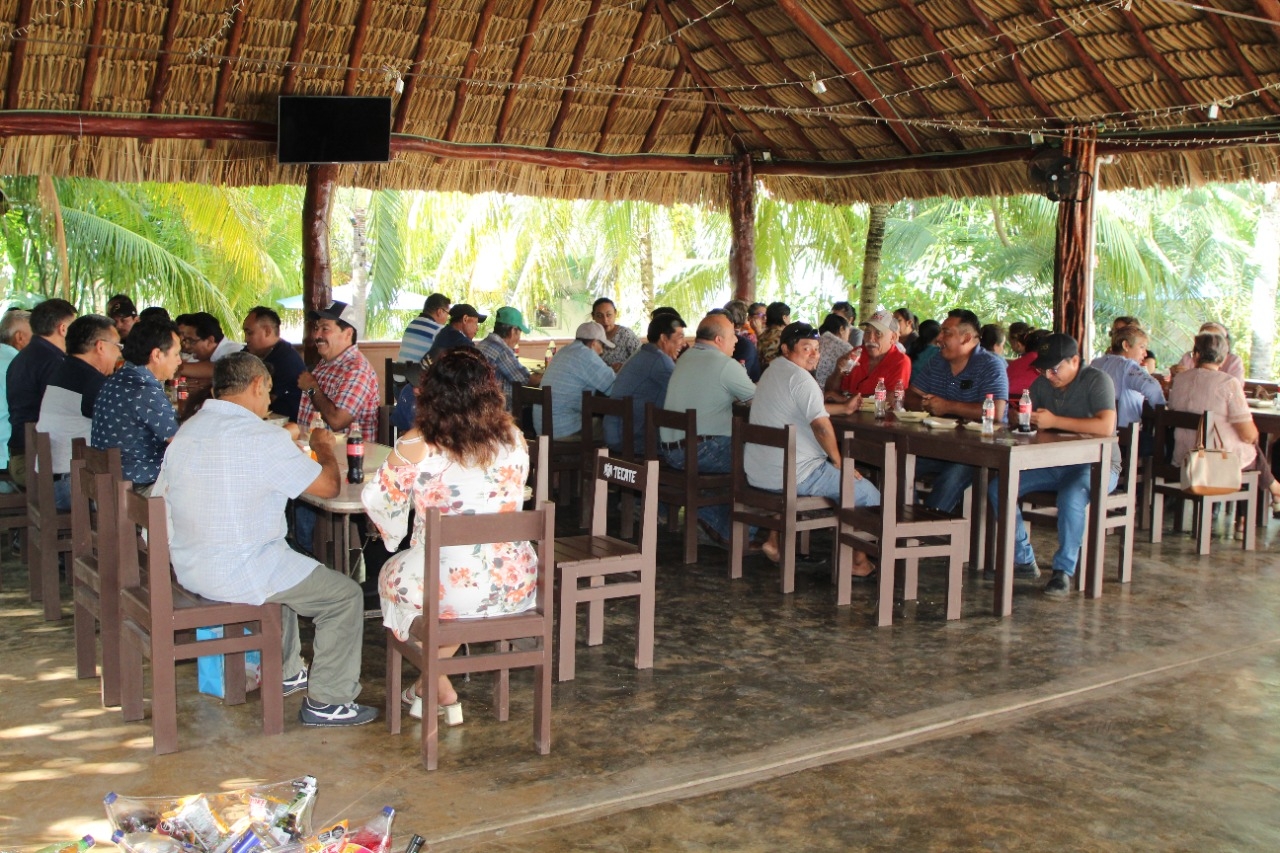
pixel 717 330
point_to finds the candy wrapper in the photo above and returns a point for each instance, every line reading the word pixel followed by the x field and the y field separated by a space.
pixel 269 817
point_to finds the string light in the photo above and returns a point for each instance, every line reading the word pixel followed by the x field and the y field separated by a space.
pixel 815 85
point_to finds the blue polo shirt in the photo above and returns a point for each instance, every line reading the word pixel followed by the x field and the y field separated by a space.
pixel 133 414
pixel 644 379
pixel 986 373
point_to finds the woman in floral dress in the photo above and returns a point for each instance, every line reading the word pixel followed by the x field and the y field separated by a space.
pixel 464 456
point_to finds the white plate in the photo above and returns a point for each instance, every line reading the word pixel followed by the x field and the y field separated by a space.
pixel 976 426
pixel 1262 404
pixel 941 423
pixel 910 417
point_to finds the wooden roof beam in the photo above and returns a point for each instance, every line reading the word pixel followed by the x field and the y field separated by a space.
pixel 708 115
pixel 624 78
pixel 660 114
pixel 224 69
pixel 1246 71
pixel 296 49
pixel 1270 9
pixel 160 82
pixel 18 57
pixel 425 32
pixel 517 72
pixel 1091 69
pixel 843 61
pixel 575 65
pixel 1015 61
pixel 725 51
pixel 93 56
pixel 711 91
pixel 357 48
pixel 468 69
pixel 1156 58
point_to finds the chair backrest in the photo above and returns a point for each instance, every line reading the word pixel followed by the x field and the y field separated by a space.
pixel 638 477
pixel 779 438
pixel 878 454
pixel 686 423
pixel 1128 450
pixel 540 468
pixel 598 406
pixel 441 531
pixel 94 474
pixel 525 397
pixel 388 381
pixel 39 461
pixel 1167 421
pixel 143 538
pixel 386 432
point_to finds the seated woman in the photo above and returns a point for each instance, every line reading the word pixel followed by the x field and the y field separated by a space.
pixel 1207 388
pixel 463 456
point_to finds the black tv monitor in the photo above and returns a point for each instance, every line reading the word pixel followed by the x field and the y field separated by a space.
pixel 333 129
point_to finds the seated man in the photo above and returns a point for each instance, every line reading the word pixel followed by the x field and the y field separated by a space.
pixel 132 411
pixel 262 338
pixel 878 358
pixel 644 378
pixel 464 323
pixel 66 413
pixel 226 481
pixel 421 333
pixel 1072 398
pixel 954 384
pixel 203 344
pixel 15 334
pixel 788 394
pixel 500 349
pixel 123 313
pixel 29 374
pixel 577 367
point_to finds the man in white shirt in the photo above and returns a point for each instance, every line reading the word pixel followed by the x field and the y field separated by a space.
pixel 226 480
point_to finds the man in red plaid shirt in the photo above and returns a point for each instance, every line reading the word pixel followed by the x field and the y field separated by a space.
pixel 343 387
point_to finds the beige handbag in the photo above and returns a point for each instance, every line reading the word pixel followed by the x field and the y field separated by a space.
pixel 1210 470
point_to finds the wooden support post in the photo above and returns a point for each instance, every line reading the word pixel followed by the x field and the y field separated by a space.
pixel 742 221
pixel 1073 254
pixel 316 288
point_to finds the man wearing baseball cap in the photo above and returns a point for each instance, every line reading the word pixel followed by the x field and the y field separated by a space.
pixel 576 368
pixel 123 313
pixel 1075 398
pixel 343 387
pixel 500 348
pixel 878 358
pixel 464 322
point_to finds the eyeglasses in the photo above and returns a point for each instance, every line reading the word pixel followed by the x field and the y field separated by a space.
pixel 757 313
pixel 1050 371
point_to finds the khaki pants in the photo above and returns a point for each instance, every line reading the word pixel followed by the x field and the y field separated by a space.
pixel 335 604
pixel 18 469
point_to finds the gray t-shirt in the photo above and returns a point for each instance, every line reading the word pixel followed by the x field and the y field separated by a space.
pixel 787 394
pixel 1092 391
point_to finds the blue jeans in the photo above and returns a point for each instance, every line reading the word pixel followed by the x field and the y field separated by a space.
pixel 62 494
pixel 1071 482
pixel 825 483
pixel 715 456
pixel 950 481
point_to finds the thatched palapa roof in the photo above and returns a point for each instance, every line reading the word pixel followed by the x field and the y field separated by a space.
pixel 837 100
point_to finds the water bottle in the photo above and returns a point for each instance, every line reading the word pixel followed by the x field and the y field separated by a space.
pixel 355 455
pixel 1024 412
pixel 989 415
pixel 899 397
pixel 881 399
pixel 374 836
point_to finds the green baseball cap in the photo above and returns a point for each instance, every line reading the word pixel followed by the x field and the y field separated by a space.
pixel 511 317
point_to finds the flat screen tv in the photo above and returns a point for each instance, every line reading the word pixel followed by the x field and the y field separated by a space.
pixel 333 129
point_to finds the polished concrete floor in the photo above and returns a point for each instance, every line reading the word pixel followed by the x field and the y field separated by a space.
pixel 1146 720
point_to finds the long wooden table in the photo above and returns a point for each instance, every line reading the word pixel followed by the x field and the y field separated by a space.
pixel 1007 454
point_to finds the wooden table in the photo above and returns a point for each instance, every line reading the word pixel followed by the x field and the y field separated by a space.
pixel 333 527
pixel 1007 455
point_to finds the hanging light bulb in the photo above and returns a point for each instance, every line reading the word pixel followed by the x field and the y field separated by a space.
pixel 815 85
pixel 1213 112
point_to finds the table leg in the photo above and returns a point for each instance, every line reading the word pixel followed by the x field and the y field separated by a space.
pixel 978 523
pixel 1099 475
pixel 1005 529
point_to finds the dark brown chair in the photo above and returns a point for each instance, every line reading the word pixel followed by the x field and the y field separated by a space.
pixel 595 408
pixel 386 432
pixel 13 514
pixel 430 633
pixel 158 620
pixel 95 555
pixel 686 487
pixel 48 531
pixel 539 479
pixel 1166 484
pixel 566 454
pixel 611 567
pixel 894 531
pixel 784 511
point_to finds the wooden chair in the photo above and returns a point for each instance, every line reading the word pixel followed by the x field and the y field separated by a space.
pixel 95 555
pixel 539 479
pixel 894 531
pixel 386 432
pixel 682 487
pixel 611 567
pixel 1165 484
pixel 48 531
pixel 430 633
pixel 785 511
pixel 13 514
pixel 566 455
pixel 595 409
pixel 1121 508
pixel 158 620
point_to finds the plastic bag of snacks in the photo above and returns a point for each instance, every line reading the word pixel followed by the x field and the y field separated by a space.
pixel 270 817
pixel 374 836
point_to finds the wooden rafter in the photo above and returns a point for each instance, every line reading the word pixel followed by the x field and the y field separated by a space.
pixel 1270 9
pixel 1015 60
pixel 571 81
pixel 708 115
pixel 624 77
pixel 668 98
pixel 357 48
pixel 300 29
pixel 517 71
pixel 891 62
pixel 843 61
pixel 750 79
pixel 18 59
pixel 1156 58
pixel 468 69
pixel 1246 71
pixel 710 90
pixel 931 38
pixel 425 32
pixel 766 47
pixel 1091 69
pixel 225 65
pixel 160 82
pixel 92 56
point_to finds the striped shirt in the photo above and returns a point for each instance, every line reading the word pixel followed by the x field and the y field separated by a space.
pixel 986 373
pixel 418 337
pixel 506 365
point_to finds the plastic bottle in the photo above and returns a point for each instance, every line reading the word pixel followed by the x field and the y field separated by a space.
pixel 899 397
pixel 147 842
pixel 374 836
pixel 180 384
pixel 69 846
pixel 989 415
pixel 355 455
pixel 1024 412
pixel 415 844
pixel 881 399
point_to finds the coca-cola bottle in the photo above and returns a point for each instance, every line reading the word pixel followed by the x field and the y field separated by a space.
pixel 355 455
pixel 881 399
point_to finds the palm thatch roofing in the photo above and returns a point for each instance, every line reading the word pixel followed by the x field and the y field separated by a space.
pixel 835 100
